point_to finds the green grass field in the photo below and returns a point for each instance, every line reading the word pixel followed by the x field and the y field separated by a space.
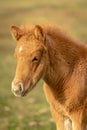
pixel 32 112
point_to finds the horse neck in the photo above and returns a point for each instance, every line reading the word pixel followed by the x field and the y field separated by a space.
pixel 63 55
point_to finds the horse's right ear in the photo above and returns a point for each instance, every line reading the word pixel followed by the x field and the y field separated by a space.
pixel 39 32
pixel 16 32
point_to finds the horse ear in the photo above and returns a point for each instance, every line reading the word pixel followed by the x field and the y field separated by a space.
pixel 39 33
pixel 16 32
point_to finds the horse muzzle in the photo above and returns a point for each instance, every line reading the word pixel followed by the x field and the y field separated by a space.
pixel 17 88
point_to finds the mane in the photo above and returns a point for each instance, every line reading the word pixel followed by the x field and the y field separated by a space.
pixel 56 31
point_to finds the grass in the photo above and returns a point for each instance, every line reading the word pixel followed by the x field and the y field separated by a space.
pixel 32 111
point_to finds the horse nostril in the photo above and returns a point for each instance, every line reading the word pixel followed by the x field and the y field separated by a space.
pixel 20 87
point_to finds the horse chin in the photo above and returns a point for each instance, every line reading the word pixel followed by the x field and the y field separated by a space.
pixel 29 87
pixel 26 92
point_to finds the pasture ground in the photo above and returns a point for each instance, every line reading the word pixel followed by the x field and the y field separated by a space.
pixel 32 111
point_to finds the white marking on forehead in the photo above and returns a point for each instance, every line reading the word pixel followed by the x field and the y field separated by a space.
pixel 21 48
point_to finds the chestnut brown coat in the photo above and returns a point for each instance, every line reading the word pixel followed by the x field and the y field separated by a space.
pixel 45 52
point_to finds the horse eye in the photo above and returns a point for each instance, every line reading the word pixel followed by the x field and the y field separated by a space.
pixel 35 59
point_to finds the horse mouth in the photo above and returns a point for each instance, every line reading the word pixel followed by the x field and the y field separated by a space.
pixel 24 93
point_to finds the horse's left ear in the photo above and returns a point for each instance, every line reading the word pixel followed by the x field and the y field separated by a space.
pixel 16 32
pixel 39 33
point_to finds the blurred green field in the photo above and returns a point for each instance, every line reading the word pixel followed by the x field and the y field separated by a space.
pixel 32 111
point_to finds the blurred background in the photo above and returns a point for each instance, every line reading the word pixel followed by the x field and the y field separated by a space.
pixel 32 111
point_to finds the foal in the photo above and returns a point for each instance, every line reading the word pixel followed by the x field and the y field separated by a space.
pixel 44 52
